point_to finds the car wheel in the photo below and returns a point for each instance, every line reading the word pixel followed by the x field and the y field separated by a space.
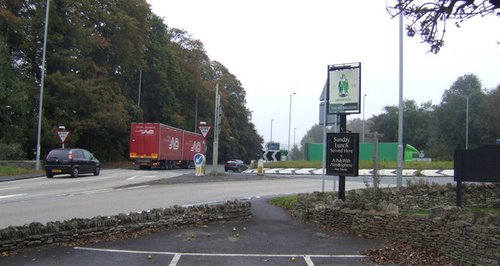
pixel 97 170
pixel 74 172
pixel 49 175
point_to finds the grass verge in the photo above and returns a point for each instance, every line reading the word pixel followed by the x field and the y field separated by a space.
pixel 285 202
pixel 10 170
pixel 364 164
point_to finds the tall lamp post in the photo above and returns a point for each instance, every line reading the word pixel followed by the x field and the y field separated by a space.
pixel 271 137
pixel 467 123
pixel 363 128
pixel 39 131
pixel 290 122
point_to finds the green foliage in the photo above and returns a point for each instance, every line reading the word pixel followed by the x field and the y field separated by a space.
pixel 285 202
pixel 416 213
pixel 364 164
pixel 11 151
pixel 370 196
pixel 294 164
pixel 96 51
pixel 313 135
pixel 437 129
pixel 11 170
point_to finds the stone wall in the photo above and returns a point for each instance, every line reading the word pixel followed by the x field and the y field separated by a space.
pixel 14 237
pixel 469 237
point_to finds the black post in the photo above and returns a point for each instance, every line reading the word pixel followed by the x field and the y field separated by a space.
pixel 343 129
pixel 457 171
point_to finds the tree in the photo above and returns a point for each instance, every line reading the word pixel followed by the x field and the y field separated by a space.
pixel 416 120
pixel 313 135
pixel 428 18
pixel 490 128
pixel 14 106
pixel 95 52
pixel 450 124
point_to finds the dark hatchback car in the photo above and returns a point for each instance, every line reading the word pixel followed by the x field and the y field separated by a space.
pixel 235 165
pixel 72 162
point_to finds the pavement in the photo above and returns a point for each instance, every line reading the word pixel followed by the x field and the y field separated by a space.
pixel 270 237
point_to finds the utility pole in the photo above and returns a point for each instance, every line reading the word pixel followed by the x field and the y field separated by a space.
pixel 40 107
pixel 399 179
pixel 216 131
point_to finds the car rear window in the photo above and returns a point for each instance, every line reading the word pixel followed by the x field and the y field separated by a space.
pixel 59 154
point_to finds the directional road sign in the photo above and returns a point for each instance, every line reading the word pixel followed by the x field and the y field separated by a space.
pixel 272 156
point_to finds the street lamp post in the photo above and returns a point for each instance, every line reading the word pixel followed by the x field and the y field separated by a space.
pixel 467 123
pixel 363 128
pixel 271 138
pixel 294 132
pixel 290 121
pixel 40 106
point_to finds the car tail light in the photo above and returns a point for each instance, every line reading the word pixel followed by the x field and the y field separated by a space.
pixel 70 155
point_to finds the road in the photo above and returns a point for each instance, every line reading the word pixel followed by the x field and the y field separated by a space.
pixel 123 190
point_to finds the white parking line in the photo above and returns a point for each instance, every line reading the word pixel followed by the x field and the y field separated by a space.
pixel 308 260
pixel 175 260
pixel 177 255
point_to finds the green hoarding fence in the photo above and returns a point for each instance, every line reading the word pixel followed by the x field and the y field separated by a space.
pixel 388 151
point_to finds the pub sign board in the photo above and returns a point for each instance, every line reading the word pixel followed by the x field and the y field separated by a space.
pixel 342 153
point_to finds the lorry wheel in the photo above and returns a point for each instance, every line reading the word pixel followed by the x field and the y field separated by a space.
pixel 49 175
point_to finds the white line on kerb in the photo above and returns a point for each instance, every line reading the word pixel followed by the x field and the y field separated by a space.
pixel 177 255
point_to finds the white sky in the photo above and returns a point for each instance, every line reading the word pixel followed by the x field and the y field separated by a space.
pixel 277 47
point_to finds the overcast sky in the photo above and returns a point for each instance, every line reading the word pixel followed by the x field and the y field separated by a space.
pixel 278 47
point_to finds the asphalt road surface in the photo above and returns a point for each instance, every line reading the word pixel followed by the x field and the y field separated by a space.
pixel 122 191
pixel 270 237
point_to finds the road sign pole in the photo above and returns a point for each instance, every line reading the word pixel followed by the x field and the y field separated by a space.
pixel 216 132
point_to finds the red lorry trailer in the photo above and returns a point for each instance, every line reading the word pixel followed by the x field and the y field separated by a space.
pixel 159 145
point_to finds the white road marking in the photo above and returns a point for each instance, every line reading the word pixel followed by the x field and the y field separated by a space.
pixel 130 188
pixel 12 196
pixel 175 260
pixel 177 255
pixel 140 177
pixel 86 179
pixel 7 188
pixel 308 260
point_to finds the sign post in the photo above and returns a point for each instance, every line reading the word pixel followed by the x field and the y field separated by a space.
pixel 199 164
pixel 343 98
pixel 63 134
pixel 204 129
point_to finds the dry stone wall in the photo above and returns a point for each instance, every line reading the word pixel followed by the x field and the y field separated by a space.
pixel 33 234
pixel 472 238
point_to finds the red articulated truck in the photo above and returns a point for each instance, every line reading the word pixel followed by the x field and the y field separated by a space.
pixel 166 147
